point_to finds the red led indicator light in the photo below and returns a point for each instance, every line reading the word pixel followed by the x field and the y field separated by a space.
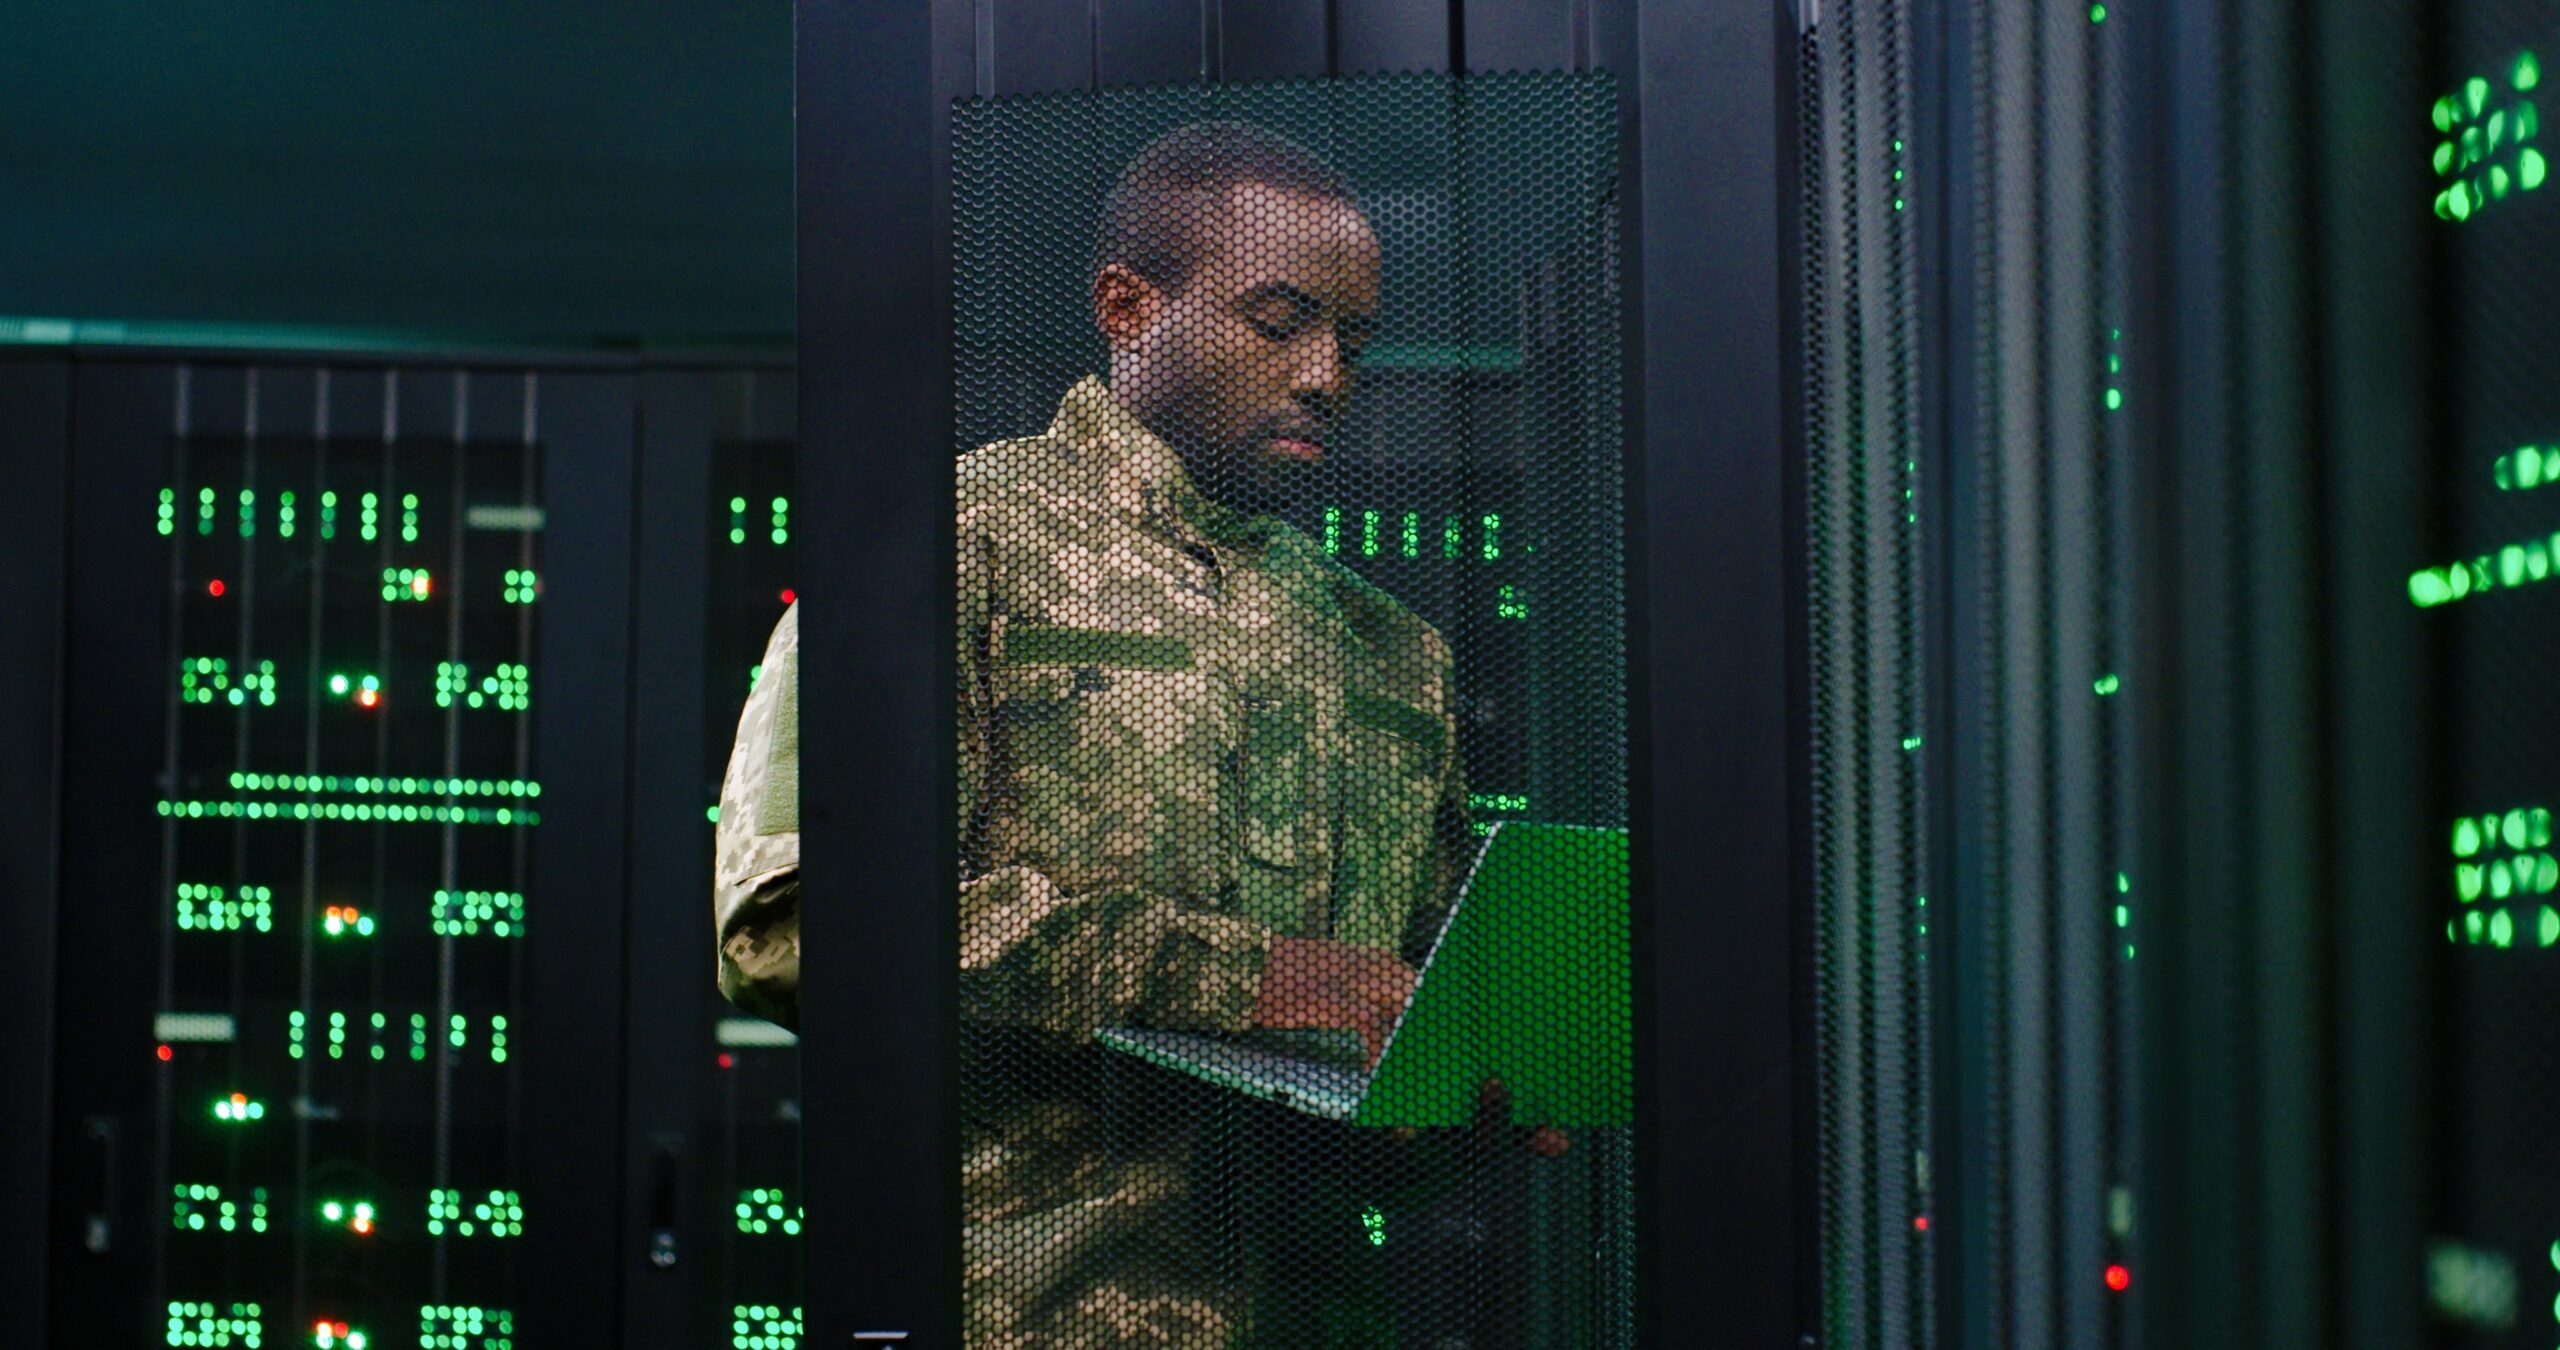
pixel 367 698
pixel 1920 1222
pixel 418 585
pixel 790 596
pixel 727 1060
pixel 2119 1279
pixel 167 1054
pixel 214 588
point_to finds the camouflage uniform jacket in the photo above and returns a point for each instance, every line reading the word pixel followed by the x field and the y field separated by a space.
pixel 1182 731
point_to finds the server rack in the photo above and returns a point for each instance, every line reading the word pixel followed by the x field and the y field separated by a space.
pixel 593 1090
pixel 1704 194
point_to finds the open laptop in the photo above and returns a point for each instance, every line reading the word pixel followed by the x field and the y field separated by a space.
pixel 1529 980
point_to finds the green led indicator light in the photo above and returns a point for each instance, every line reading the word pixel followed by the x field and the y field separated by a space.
pixel 371 518
pixel 328 515
pixel 203 1324
pixel 406 584
pixel 328 1335
pixel 1910 743
pixel 206 908
pixel 466 913
pixel 248 513
pixel 764 1326
pixel 202 1208
pixel 1412 536
pixel 209 679
pixel 764 1210
pixel 284 515
pixel 2484 151
pixel 1332 530
pixel 409 518
pixel 2097 13
pixel 2106 684
pixel 1492 537
pixel 498 1214
pixel 238 1108
pixel 448 1326
pixel 2513 565
pixel 168 510
pixel 1373 1223
pixel 521 586
pixel 2525 468
pixel 781 520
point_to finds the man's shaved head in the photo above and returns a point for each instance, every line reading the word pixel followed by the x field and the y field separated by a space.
pixel 1173 196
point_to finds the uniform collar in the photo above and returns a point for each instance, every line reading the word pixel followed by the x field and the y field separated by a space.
pixel 1140 474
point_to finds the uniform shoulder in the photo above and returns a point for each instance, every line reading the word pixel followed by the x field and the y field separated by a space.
pixel 1000 465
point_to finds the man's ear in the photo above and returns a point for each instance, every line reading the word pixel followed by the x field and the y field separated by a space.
pixel 1125 305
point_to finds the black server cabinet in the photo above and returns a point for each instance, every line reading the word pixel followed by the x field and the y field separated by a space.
pixel 1703 197
pixel 712 1155
pixel 328 1062
pixel 374 741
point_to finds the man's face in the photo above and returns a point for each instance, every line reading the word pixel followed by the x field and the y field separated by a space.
pixel 1247 365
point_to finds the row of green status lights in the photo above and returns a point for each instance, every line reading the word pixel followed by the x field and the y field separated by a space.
pixel 764 1209
pixel 2519 470
pixel 457 1034
pixel 211 909
pixel 499 1214
pixel 203 909
pixel 195 1323
pixel 2484 135
pixel 764 1326
pixel 295 1024
pixel 2519 828
pixel 2497 928
pixel 452 1326
pixel 781 527
pixel 369 521
pixel 392 813
pixel 1409 534
pixel 188 1212
pixel 203 679
pixel 362 785
pixel 441 1326
pixel 2512 566
pixel 511 688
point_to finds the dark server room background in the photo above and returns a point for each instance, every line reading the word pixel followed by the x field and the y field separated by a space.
pixel 402 410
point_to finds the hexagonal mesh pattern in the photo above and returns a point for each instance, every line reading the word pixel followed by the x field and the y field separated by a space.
pixel 1294 910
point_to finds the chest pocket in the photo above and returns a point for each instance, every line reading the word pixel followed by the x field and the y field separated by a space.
pixel 1390 780
pixel 1109 746
pixel 1278 771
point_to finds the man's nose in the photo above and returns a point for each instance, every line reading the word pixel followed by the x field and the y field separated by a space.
pixel 1322 377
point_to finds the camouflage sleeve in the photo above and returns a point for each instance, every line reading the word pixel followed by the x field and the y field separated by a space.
pixel 756 888
pixel 1033 955
pixel 1030 954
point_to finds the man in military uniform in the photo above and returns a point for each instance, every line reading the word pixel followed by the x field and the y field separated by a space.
pixel 1209 778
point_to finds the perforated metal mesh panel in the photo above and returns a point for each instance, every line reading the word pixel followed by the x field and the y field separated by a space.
pixel 1294 913
pixel 1864 551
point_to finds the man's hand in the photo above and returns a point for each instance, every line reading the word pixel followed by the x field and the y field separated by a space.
pixel 1319 983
